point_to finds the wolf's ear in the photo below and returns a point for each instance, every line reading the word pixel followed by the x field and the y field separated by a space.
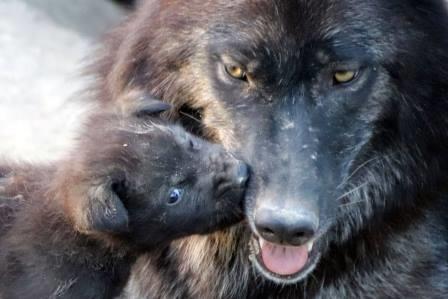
pixel 106 212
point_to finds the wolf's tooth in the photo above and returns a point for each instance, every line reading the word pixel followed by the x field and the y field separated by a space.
pixel 254 246
pixel 310 246
pixel 261 242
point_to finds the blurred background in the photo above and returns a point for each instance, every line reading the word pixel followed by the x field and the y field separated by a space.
pixel 44 45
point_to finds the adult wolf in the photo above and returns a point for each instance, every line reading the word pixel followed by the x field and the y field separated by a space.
pixel 339 106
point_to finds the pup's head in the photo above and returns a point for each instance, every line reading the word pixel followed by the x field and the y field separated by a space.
pixel 147 182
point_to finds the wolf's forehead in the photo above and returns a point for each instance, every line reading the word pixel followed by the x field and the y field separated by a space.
pixel 289 25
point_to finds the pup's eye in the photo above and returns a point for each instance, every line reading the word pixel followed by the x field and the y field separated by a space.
pixel 175 196
pixel 236 72
pixel 344 76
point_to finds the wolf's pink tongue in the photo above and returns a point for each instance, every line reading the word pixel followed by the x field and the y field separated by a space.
pixel 283 260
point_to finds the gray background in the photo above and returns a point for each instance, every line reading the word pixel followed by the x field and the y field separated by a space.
pixel 43 47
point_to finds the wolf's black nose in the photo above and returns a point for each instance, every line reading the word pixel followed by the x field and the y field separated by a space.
pixel 286 227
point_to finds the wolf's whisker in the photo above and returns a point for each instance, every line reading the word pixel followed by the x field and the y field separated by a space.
pixel 351 203
pixel 356 170
pixel 190 116
pixel 352 190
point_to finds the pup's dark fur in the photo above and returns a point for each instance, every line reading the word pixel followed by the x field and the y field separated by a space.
pixel 131 185
pixel 367 158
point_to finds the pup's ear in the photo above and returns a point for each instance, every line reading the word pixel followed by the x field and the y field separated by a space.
pixel 148 106
pixel 105 211
pixel 97 209
pixel 140 103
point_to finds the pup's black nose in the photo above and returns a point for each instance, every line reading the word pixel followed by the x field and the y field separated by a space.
pixel 286 227
pixel 242 173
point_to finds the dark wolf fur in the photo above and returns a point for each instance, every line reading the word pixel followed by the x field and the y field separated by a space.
pixel 74 228
pixel 368 158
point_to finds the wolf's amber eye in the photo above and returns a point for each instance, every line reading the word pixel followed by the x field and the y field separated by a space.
pixel 341 77
pixel 175 196
pixel 236 72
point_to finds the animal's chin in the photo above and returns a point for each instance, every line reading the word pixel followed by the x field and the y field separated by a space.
pixel 283 264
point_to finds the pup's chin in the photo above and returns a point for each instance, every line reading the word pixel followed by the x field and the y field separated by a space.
pixel 283 264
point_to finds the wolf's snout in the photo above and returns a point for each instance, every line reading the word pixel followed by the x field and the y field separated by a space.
pixel 293 228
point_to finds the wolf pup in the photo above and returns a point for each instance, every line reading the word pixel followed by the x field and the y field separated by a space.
pixel 83 221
